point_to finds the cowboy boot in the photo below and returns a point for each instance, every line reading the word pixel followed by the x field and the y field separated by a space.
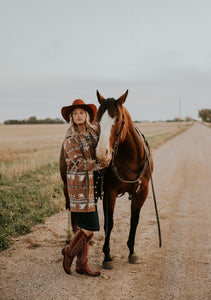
pixel 72 250
pixel 82 265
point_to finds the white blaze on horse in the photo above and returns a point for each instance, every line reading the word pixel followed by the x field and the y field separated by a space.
pixel 103 150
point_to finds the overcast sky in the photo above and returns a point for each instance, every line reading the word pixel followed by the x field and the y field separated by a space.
pixel 54 51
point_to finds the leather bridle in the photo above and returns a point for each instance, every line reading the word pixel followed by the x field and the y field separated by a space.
pixel 119 136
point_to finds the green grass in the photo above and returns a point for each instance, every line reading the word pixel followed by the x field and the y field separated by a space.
pixel 27 200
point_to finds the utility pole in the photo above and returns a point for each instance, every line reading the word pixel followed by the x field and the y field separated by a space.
pixel 179 111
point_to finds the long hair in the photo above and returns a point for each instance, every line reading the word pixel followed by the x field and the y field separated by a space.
pixel 73 127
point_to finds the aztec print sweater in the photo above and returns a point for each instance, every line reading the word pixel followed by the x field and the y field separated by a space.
pixel 80 158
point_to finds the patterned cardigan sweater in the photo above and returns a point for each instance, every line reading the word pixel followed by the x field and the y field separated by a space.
pixel 79 150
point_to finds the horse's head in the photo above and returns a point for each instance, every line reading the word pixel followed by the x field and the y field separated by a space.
pixel 111 118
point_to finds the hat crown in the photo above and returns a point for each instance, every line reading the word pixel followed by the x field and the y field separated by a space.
pixel 90 108
pixel 78 102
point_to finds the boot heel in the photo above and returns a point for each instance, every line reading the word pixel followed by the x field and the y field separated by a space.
pixel 88 270
pixel 80 271
pixel 69 252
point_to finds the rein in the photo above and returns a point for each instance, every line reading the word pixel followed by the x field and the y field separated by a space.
pixel 153 190
pixel 138 180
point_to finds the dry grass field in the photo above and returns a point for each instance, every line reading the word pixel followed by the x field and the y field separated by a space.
pixel 26 148
pixel 158 133
pixel 30 185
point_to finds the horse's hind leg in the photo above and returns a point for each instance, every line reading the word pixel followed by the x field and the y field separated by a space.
pixel 136 205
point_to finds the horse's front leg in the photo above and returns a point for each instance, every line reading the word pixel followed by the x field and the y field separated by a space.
pixel 109 200
pixel 136 205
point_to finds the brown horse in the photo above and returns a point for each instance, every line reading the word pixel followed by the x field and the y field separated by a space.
pixel 129 170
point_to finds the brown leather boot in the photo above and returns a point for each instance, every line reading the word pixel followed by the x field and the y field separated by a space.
pixel 82 265
pixel 72 250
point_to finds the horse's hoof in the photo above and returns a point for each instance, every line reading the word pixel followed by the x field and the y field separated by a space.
pixel 109 265
pixel 134 259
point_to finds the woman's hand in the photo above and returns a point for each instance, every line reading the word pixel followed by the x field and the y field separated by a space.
pixel 103 164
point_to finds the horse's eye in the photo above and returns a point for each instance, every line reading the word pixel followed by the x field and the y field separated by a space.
pixel 117 119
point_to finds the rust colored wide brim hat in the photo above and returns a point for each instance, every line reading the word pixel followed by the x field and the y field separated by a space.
pixel 78 103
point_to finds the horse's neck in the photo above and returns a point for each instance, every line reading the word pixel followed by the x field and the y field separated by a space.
pixel 132 143
pixel 132 146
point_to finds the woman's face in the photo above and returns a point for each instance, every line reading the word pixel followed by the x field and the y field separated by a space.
pixel 79 116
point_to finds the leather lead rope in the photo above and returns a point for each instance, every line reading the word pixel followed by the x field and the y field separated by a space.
pixel 155 204
pixel 153 190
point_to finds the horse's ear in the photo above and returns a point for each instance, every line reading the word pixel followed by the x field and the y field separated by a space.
pixel 100 97
pixel 122 98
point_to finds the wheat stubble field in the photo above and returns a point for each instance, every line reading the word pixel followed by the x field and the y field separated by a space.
pixel 26 148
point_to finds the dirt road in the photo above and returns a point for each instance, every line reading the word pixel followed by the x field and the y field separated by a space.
pixel 32 267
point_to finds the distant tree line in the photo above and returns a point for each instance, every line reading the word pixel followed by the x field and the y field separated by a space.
pixel 205 115
pixel 177 119
pixel 34 120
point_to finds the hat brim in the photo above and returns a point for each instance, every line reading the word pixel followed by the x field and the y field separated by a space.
pixel 90 108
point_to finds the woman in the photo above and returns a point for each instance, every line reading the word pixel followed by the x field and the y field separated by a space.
pixel 79 150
